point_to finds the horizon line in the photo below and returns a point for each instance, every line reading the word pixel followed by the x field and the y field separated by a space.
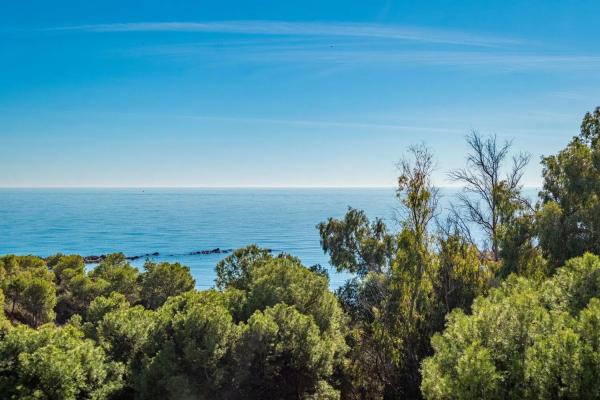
pixel 234 187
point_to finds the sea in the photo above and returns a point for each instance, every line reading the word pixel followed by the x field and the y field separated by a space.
pixel 178 222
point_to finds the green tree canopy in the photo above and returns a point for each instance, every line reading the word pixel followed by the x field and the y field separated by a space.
pixel 39 299
pixel 526 340
pixel 55 363
pixel 187 353
pixel 123 332
pixel 234 270
pixel 29 288
pixel 355 244
pixel 120 276
pixel 163 280
pixel 284 280
pixel 102 305
pixel 569 218
pixel 283 355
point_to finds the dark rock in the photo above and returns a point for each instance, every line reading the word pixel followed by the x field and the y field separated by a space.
pixel 213 251
pixel 94 259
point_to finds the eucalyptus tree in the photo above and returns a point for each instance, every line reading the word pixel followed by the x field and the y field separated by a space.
pixel 406 281
pixel 569 219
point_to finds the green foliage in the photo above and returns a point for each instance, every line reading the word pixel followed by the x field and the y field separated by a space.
pixel 427 313
pixel 77 294
pixel 282 354
pixel 76 288
pixel 570 215
pixel 39 299
pixel 461 274
pixel 518 251
pixel 356 245
pixel 123 332
pixel 65 267
pixel 29 288
pixel 14 287
pixel 526 340
pixel 101 306
pixel 178 343
pixel 188 348
pixel 4 323
pixel 234 270
pixel 575 285
pixel 163 280
pixel 120 276
pixel 406 283
pixel 55 363
pixel 286 281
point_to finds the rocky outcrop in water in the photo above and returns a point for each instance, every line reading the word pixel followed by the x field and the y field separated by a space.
pixel 213 251
pixel 96 259
pixel 102 257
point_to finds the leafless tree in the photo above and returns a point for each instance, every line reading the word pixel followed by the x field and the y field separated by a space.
pixel 489 195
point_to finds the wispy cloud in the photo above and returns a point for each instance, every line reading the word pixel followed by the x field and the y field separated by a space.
pixel 324 29
pixel 505 61
pixel 365 54
pixel 366 125
pixel 346 44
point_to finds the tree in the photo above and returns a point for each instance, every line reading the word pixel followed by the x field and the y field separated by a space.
pixel 282 354
pixel 408 281
pixel 101 306
pixel 39 299
pixel 14 287
pixel 188 348
pixel 234 270
pixel 55 363
pixel 286 281
pixel 65 267
pixel 120 276
pixel 4 323
pixel 80 291
pixel 519 251
pixel 356 245
pixel 163 280
pixel 569 218
pixel 20 273
pixel 123 332
pixel 526 340
pixel 490 200
pixel 273 287
pixel 462 276
pixel 69 271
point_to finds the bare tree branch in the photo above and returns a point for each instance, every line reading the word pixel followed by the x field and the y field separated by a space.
pixel 486 197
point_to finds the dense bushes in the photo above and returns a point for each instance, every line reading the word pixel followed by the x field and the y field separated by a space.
pixel 151 335
pixel 526 340
pixel 55 363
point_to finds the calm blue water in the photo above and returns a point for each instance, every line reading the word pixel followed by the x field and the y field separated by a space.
pixel 175 222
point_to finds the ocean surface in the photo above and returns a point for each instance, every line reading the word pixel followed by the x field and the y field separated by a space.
pixel 177 222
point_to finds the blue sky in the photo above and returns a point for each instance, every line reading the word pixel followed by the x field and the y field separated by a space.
pixel 282 93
